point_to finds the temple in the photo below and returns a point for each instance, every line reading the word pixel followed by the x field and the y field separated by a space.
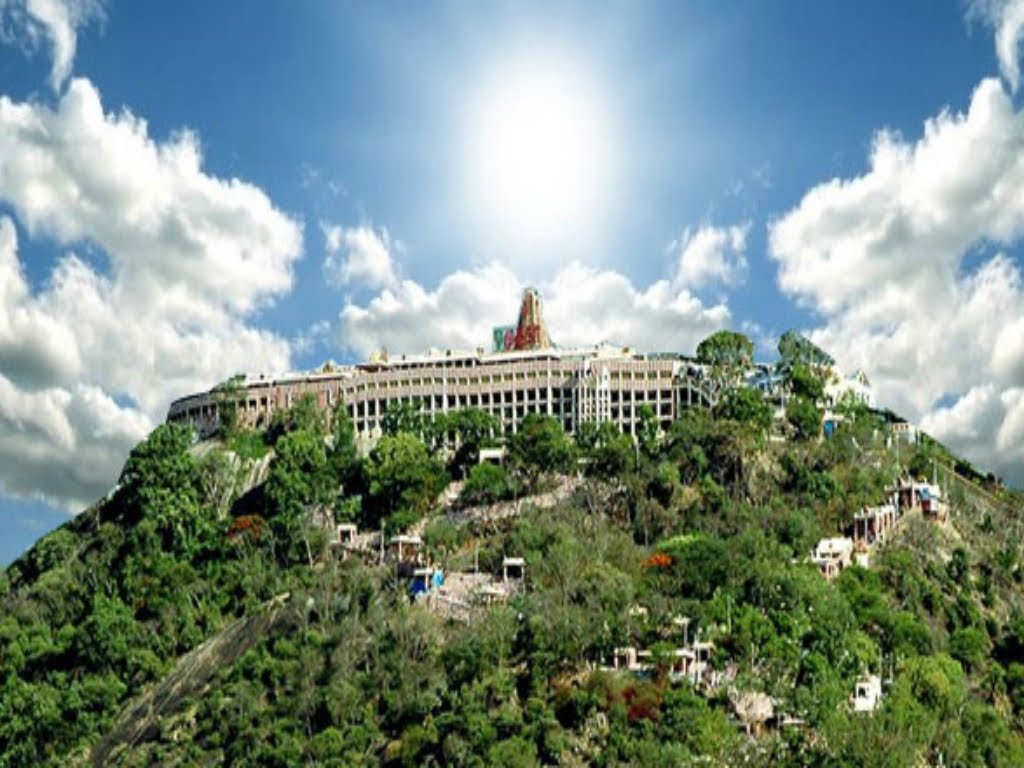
pixel 523 373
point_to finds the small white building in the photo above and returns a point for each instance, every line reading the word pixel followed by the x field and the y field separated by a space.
pixel 867 693
pixel 861 555
pixel 637 611
pixel 872 524
pixel 833 555
pixel 513 568
pixel 405 546
pixel 855 388
pixel 492 456
pixel 904 432
pixel 346 534
pixel 630 659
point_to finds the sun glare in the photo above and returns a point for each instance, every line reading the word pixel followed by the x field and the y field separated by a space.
pixel 539 154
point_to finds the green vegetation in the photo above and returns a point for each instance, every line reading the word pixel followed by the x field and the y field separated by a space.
pixel 708 520
pixel 487 483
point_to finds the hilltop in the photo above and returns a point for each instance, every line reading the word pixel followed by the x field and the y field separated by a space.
pixel 561 600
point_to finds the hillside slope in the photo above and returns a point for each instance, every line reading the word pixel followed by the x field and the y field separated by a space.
pixel 669 613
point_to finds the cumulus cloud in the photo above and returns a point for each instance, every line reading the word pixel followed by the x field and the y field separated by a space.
pixel 883 259
pixel 1006 17
pixel 582 305
pixel 986 421
pixel 358 255
pixel 90 360
pixel 711 254
pixel 56 21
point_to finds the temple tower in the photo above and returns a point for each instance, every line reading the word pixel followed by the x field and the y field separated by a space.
pixel 531 333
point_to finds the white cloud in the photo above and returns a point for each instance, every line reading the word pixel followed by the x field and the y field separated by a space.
pixel 311 338
pixel 1006 17
pixel 90 360
pixel 711 254
pixel 582 305
pixel 882 258
pixel 985 422
pixel 358 255
pixel 56 21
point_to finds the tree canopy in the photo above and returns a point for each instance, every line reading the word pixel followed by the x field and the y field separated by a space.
pixel 726 348
pixel 198 615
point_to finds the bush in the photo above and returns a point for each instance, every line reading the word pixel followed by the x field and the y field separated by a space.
pixel 247 444
pixel 804 416
pixel 486 484
pixel 969 645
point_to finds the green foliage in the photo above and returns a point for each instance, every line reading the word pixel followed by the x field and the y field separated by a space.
pixel 468 428
pixel 228 395
pixel 304 415
pixel 795 349
pixel 540 446
pixel 804 416
pixel 299 477
pixel 969 646
pixel 403 477
pixel 730 356
pixel 404 417
pixel 805 382
pixel 745 405
pixel 247 444
pixel 160 482
pixel 700 564
pixel 486 484
pixel 726 349
pixel 606 451
pixel 346 466
pixel 648 432
pixel 300 483
pixel 709 522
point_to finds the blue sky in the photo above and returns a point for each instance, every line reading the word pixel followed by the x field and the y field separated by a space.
pixel 194 188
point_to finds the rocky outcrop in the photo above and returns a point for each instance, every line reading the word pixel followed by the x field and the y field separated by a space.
pixel 140 720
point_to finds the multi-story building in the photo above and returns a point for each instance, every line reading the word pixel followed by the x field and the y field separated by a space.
pixel 523 374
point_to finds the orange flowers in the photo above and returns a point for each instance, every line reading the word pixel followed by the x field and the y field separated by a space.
pixel 245 525
pixel 659 560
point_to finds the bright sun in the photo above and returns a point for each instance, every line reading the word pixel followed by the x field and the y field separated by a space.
pixel 539 154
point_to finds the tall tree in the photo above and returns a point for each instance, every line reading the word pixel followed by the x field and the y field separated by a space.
pixel 729 355
pixel 726 349
pixel 540 445
pixel 795 349
pixel 404 477
pixel 160 481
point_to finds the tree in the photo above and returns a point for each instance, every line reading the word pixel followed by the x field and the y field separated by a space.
pixel 343 457
pixel 700 564
pixel 228 395
pixel 729 354
pixel 540 445
pixel 647 431
pixel 403 476
pixel 107 637
pixel 969 645
pixel 611 452
pixel 160 481
pixel 299 482
pixel 804 416
pixel 298 476
pixel 304 414
pixel 745 405
pixel 401 417
pixel 795 349
pixel 805 382
pixel 470 429
pixel 486 483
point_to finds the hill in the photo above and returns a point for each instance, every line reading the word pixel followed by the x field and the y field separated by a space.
pixel 667 613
